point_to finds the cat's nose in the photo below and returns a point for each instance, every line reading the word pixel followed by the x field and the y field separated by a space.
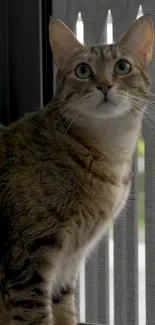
pixel 105 88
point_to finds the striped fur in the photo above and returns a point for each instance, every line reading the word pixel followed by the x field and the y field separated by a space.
pixel 62 178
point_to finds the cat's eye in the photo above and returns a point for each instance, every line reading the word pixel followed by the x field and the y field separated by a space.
pixel 83 71
pixel 122 67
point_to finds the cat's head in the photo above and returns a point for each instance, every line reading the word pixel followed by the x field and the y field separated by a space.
pixel 103 81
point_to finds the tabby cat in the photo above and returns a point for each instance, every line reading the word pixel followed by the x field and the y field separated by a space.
pixel 65 171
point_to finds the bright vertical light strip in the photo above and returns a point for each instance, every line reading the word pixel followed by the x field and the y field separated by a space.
pixel 82 303
pixel 82 294
pixel 80 29
pixel 109 28
pixel 141 250
pixel 140 12
pixel 109 23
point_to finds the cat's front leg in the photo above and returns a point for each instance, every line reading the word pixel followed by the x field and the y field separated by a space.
pixel 64 311
pixel 29 304
pixel 31 313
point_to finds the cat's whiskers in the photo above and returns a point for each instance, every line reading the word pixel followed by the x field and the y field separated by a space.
pixel 142 102
pixel 151 94
pixel 131 114
pixel 126 95
pixel 61 109
pixel 65 111
pixel 69 115
pixel 123 92
pixel 67 118
pixel 138 106
pixel 147 112
pixel 58 119
pixel 138 101
pixel 146 117
pixel 74 116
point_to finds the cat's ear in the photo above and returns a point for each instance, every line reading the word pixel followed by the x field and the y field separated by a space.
pixel 140 37
pixel 62 41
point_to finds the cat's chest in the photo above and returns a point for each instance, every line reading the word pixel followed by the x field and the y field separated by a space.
pixel 69 266
pixel 87 241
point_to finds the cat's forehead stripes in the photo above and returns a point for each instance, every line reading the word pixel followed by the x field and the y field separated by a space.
pixel 105 51
pixel 101 53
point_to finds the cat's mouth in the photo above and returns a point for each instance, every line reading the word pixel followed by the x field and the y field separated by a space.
pixel 106 100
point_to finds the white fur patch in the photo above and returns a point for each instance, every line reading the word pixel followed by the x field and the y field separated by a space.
pixel 96 107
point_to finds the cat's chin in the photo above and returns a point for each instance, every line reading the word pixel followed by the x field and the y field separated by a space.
pixel 107 110
pixel 98 108
pixel 114 106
